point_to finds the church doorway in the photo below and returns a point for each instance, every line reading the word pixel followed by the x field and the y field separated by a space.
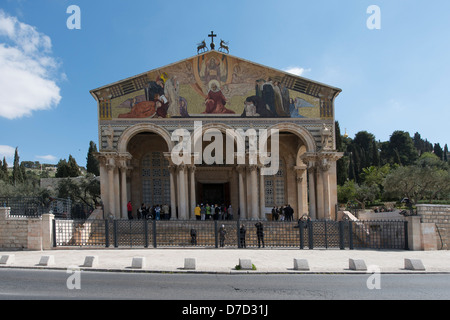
pixel 213 193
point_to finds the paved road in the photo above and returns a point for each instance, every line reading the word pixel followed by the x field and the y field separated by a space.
pixel 52 284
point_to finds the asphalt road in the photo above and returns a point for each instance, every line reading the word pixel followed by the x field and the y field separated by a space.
pixel 30 284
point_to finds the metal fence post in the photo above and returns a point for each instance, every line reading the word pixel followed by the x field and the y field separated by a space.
pixel 406 235
pixel 54 232
pixel 350 235
pixel 216 243
pixel 310 235
pixel 154 233
pixel 107 233
pixel 145 233
pixel 302 233
pixel 115 234
pixel 341 235
pixel 238 234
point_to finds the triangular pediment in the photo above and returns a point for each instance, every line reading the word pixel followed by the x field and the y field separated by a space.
pixel 215 84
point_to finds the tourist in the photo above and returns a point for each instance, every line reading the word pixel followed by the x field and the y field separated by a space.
pixel 165 211
pixel 230 212
pixel 141 211
pixel 130 210
pixel 208 212
pixel 202 212
pixel 242 231
pixel 157 212
pixel 216 212
pixel 260 233
pixel 194 236
pixel 197 212
pixel 222 233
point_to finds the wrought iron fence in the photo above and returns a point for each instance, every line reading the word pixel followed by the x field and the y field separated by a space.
pixel 36 206
pixel 231 234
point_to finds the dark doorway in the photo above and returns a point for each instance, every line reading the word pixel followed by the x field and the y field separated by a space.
pixel 214 193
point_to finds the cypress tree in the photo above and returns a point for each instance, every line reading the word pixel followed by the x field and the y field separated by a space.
pixel 92 165
pixel 17 172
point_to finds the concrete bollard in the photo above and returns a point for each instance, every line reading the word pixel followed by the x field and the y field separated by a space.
pixel 90 261
pixel 47 261
pixel 357 265
pixel 8 259
pixel 301 264
pixel 138 263
pixel 414 264
pixel 245 264
pixel 189 263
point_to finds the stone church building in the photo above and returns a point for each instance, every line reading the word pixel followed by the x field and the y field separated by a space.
pixel 217 92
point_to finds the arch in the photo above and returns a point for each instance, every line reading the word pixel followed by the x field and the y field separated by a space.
pixel 198 134
pixel 130 132
pixel 299 131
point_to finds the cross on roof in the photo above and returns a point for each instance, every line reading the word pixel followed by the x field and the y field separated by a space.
pixel 212 36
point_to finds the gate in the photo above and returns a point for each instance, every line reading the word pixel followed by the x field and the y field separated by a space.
pixel 322 234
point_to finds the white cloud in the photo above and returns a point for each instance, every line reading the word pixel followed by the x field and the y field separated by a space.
pixel 48 158
pixel 8 153
pixel 298 71
pixel 27 69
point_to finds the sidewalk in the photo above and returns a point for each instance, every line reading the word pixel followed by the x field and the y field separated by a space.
pixel 224 260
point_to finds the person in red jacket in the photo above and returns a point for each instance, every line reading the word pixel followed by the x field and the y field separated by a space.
pixel 130 210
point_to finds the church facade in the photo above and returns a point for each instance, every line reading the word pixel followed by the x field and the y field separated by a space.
pixel 186 134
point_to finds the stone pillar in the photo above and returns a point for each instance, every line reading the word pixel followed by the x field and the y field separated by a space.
pixel 182 203
pixel 262 202
pixel 242 206
pixel 111 203
pixel 173 193
pixel 324 166
pixel 300 177
pixel 123 192
pixel 254 192
pixel 47 231
pixel 312 192
pixel 192 191
pixel 319 195
pixel 116 194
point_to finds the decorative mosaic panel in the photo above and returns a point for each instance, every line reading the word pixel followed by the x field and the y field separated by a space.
pixel 215 84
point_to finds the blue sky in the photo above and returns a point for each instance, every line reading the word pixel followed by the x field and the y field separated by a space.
pixel 394 78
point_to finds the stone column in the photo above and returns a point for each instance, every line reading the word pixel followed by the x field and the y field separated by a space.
pixel 182 203
pixel 254 191
pixel 300 177
pixel 110 165
pixel 326 189
pixel 123 192
pixel 173 193
pixel 117 192
pixel 312 192
pixel 192 191
pixel 242 206
pixel 262 202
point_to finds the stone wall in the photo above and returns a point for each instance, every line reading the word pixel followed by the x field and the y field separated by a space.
pixel 439 217
pixel 22 233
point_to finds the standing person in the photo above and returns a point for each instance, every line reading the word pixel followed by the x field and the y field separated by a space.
pixel 165 211
pixel 193 237
pixel 222 234
pixel 130 210
pixel 208 212
pixel 158 212
pixel 274 214
pixel 242 231
pixel 260 233
pixel 230 213
pixel 142 211
pixel 216 212
pixel 197 211
pixel 202 212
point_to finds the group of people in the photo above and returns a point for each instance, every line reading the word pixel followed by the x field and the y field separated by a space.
pixel 283 213
pixel 214 212
pixel 157 212
pixel 242 231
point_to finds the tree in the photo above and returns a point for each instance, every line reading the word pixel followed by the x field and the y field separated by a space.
pixel 445 153
pixel 438 151
pixel 92 165
pixel 74 170
pixel 400 149
pixel 65 169
pixel 17 176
